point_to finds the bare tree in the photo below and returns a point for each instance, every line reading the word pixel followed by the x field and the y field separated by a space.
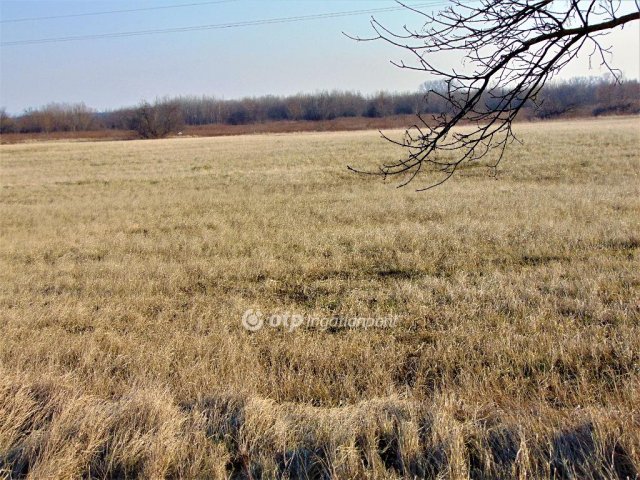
pixel 157 120
pixel 511 48
pixel 7 124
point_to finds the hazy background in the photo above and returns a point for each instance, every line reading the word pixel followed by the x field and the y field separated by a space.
pixel 280 58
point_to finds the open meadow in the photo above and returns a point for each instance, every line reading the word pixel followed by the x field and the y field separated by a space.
pixel 126 268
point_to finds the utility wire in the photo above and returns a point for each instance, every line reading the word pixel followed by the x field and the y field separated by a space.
pixel 248 23
pixel 109 12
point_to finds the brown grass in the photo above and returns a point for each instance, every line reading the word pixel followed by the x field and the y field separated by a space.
pixel 284 126
pixel 217 130
pixel 94 135
pixel 125 268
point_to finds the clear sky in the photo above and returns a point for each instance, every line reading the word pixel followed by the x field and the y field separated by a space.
pixel 278 58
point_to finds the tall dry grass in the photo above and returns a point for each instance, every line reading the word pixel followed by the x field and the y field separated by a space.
pixel 126 267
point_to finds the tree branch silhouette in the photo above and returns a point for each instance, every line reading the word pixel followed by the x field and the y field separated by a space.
pixel 514 47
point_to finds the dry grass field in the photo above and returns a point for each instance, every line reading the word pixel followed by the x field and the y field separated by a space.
pixel 126 267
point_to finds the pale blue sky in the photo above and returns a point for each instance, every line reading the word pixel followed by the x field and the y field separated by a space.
pixel 283 58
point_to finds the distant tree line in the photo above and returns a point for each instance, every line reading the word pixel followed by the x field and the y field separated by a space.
pixel 579 97
pixel 55 117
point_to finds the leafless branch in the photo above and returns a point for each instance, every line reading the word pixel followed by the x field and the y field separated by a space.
pixel 510 49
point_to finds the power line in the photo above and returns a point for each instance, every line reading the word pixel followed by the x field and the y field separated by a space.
pixel 248 23
pixel 109 12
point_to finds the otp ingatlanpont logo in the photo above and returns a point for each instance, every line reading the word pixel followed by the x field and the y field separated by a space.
pixel 252 320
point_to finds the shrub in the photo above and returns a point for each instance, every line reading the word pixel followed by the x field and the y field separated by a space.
pixel 157 120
